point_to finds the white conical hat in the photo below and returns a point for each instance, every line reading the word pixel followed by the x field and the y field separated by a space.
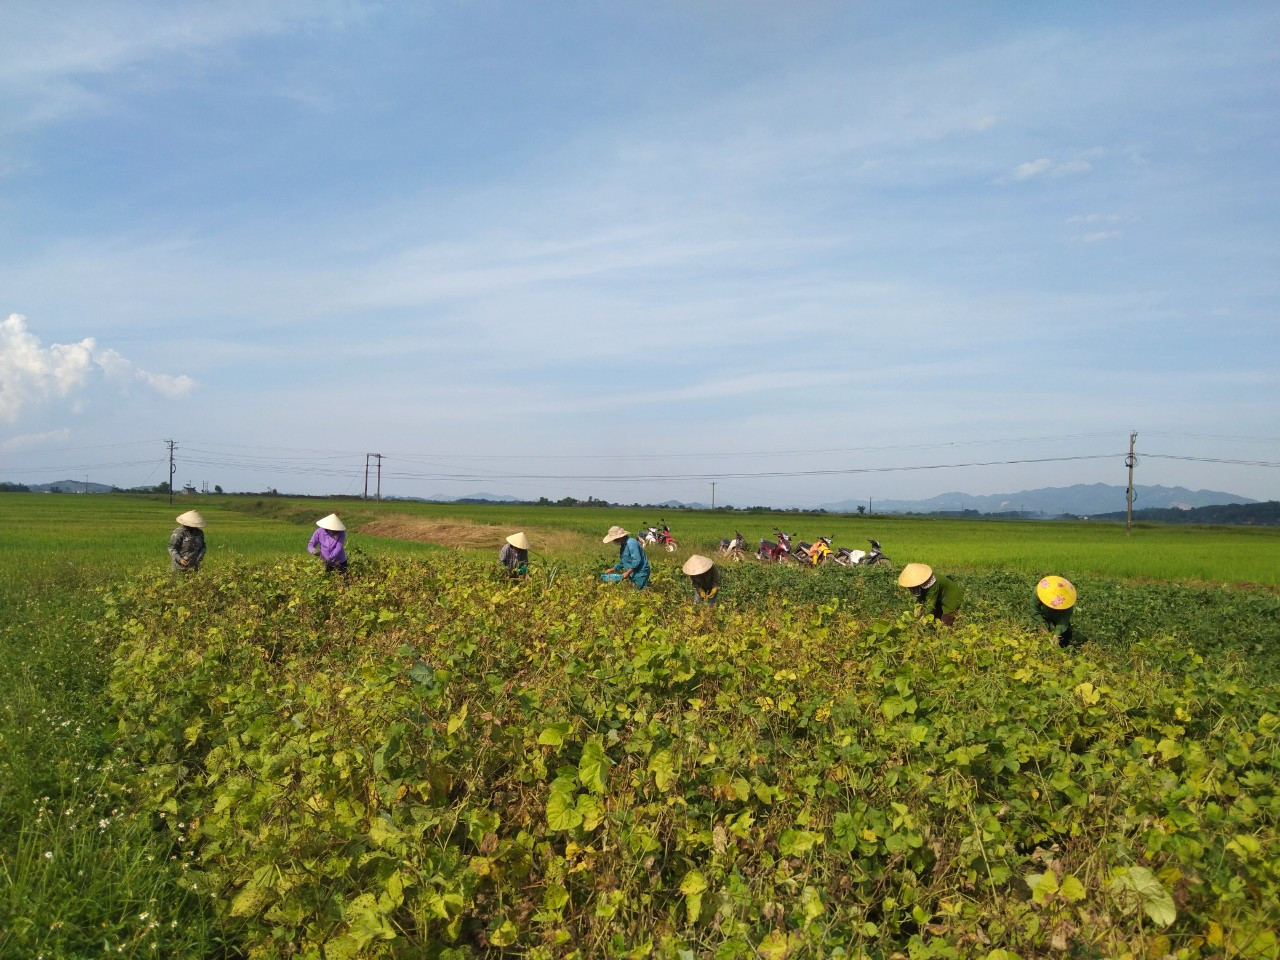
pixel 696 565
pixel 519 541
pixel 191 519
pixel 331 522
pixel 615 533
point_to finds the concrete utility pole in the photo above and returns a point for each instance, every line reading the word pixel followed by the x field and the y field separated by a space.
pixel 367 457
pixel 1129 462
pixel 713 494
pixel 172 444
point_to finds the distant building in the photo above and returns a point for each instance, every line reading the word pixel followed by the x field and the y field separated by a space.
pixel 188 488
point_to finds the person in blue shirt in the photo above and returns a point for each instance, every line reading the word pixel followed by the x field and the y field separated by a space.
pixel 632 563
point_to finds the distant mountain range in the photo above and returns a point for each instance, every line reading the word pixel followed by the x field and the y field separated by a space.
pixel 481 496
pixel 1081 499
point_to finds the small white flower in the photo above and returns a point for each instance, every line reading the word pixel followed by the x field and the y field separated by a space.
pixel 103 824
pixel 48 854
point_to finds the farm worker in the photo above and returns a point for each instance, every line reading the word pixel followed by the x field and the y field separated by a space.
pixel 515 555
pixel 705 577
pixel 1055 602
pixel 186 543
pixel 935 594
pixel 330 541
pixel 632 563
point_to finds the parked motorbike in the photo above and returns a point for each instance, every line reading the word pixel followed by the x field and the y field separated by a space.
pixel 733 549
pixel 774 552
pixel 816 553
pixel 647 533
pixel 665 539
pixel 863 558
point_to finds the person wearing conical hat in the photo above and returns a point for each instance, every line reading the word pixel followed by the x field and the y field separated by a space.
pixel 186 543
pixel 1055 602
pixel 330 542
pixel 705 577
pixel 515 555
pixel 936 595
pixel 632 564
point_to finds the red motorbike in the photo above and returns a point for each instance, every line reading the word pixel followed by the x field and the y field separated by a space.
pixel 665 539
pixel 774 552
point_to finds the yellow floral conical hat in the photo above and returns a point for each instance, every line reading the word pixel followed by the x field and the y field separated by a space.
pixel 1057 592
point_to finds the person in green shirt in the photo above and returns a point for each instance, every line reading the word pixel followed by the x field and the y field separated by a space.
pixel 1055 602
pixel 936 594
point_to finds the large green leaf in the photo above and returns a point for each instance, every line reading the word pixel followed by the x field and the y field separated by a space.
pixel 594 766
pixel 1139 887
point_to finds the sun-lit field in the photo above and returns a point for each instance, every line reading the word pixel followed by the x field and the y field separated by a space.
pixel 429 760
pixel 50 532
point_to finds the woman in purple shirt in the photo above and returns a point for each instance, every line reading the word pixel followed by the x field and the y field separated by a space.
pixel 330 541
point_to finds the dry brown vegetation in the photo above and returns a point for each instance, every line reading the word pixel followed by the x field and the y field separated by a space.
pixel 468 535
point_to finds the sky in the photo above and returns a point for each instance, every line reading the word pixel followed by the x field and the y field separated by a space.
pixel 805 252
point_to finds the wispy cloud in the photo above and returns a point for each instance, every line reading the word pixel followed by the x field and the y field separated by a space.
pixel 34 441
pixel 1044 167
pixel 31 373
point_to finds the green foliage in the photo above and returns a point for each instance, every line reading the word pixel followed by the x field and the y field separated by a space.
pixel 431 761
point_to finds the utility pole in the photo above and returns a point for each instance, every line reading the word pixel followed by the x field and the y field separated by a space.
pixel 172 444
pixel 1129 462
pixel 367 457
pixel 868 506
pixel 713 494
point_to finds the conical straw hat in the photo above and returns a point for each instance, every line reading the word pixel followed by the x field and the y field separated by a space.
pixel 914 575
pixel 1057 592
pixel 697 564
pixel 191 519
pixel 519 541
pixel 331 522
pixel 615 533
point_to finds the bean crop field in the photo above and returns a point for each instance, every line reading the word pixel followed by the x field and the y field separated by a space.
pixel 428 760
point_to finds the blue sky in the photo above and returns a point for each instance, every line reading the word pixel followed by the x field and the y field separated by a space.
pixel 621 250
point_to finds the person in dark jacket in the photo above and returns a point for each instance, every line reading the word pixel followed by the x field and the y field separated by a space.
pixel 936 595
pixel 186 543
pixel 704 575
pixel 515 555
pixel 1055 602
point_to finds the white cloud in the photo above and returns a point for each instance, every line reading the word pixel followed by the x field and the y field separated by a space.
pixel 1033 168
pixel 1099 235
pixel 1044 167
pixel 34 441
pixel 31 373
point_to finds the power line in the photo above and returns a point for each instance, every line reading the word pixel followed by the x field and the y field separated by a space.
pixel 1242 463
pixel 826 472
